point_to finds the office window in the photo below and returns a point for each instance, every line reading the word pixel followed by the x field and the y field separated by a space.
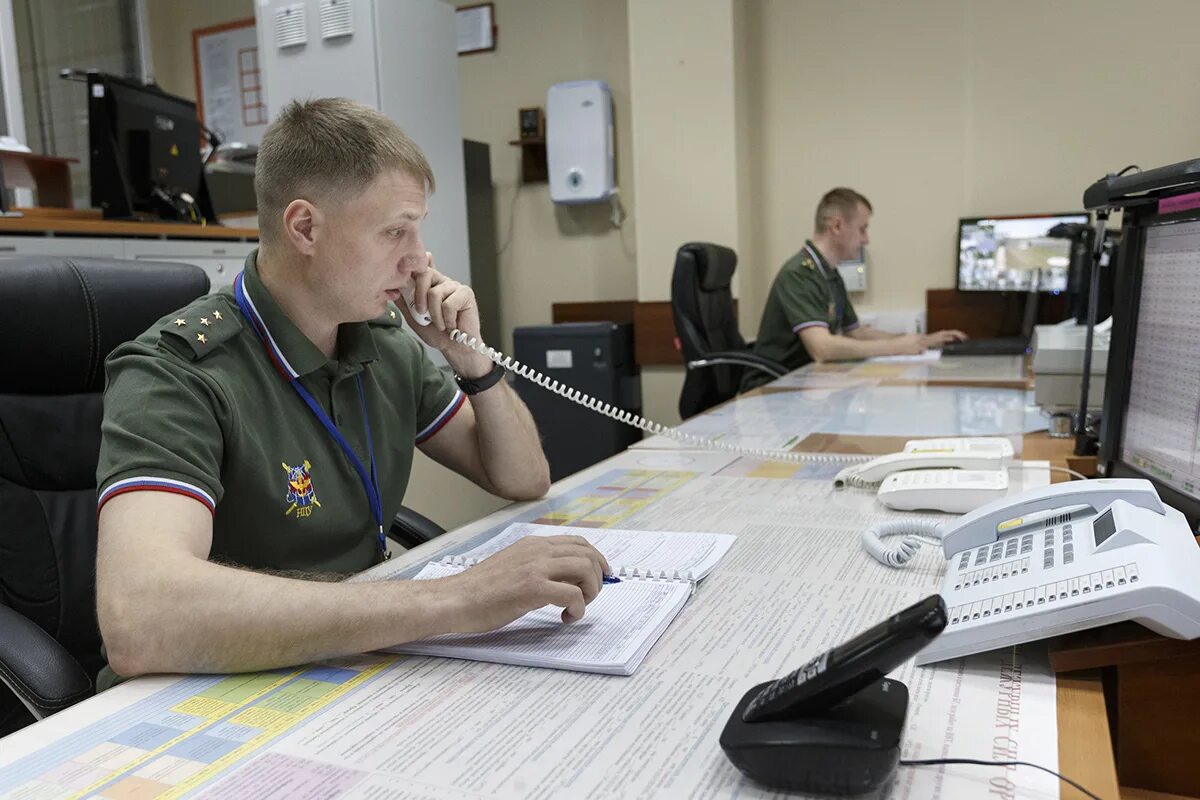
pixel 53 35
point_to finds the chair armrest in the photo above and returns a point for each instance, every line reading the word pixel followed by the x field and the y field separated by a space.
pixel 411 529
pixel 38 670
pixel 773 368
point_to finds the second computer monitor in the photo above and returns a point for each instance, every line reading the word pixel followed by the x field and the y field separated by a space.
pixel 1007 254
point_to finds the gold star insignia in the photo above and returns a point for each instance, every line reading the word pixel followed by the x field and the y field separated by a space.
pixel 179 323
pixel 216 315
pixel 204 321
pixel 392 314
pixel 201 338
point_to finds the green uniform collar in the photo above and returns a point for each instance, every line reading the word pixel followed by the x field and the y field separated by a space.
pixel 822 261
pixel 355 344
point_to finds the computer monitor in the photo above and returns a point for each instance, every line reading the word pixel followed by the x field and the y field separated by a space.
pixel 1003 254
pixel 1151 425
pixel 145 152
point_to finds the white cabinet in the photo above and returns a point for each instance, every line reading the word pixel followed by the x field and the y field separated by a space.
pixel 97 247
pixel 221 260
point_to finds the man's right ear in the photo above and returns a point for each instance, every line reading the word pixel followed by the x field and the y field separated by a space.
pixel 300 220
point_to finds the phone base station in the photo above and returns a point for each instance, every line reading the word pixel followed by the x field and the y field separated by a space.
pixel 850 748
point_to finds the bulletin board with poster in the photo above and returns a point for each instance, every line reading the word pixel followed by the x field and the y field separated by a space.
pixel 229 87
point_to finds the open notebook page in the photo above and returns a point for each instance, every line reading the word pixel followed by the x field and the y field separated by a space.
pixel 668 552
pixel 617 630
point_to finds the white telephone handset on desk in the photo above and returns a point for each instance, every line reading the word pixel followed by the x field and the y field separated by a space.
pixel 954 475
pixel 973 453
pixel 1065 558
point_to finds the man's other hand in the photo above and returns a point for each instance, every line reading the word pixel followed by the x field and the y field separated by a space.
pixel 938 338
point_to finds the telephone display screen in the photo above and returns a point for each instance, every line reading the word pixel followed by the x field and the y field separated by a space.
pixel 1104 527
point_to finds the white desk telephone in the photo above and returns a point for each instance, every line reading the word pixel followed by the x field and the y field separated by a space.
pixel 1065 558
pixel 955 475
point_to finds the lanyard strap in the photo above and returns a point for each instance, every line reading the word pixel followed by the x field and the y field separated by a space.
pixel 817 258
pixel 837 305
pixel 370 481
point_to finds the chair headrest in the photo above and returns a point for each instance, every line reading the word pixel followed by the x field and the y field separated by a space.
pixel 714 263
pixel 63 316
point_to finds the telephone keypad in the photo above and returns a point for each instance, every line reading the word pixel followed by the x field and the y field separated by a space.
pixel 1053 592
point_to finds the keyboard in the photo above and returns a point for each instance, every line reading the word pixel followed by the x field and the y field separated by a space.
pixel 1008 346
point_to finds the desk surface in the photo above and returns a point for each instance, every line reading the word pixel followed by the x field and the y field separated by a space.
pixel 466 729
pixel 90 226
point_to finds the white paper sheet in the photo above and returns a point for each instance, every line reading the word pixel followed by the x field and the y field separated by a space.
pixel 618 629
pixel 686 553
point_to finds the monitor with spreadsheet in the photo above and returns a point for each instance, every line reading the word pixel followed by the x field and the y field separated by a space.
pixel 1151 424
pixel 1004 254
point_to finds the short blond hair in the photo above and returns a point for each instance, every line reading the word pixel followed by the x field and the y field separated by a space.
pixel 325 149
pixel 839 202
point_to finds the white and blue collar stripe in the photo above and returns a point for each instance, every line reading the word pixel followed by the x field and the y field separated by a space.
pixel 256 318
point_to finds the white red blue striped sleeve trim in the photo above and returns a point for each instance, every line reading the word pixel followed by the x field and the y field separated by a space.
pixel 440 421
pixel 811 324
pixel 155 484
pixel 852 326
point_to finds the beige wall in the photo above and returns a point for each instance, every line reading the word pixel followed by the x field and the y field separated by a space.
pixel 554 253
pixel 171 24
pixel 948 108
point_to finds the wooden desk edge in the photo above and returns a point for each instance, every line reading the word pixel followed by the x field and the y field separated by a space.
pixel 1085 753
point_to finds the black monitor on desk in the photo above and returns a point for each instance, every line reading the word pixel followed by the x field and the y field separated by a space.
pixel 1151 425
pixel 145 152
pixel 1003 254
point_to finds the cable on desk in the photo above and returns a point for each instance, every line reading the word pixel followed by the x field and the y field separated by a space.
pixel 906 762
pixel 633 420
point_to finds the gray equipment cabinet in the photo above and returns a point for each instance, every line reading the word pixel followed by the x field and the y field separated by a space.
pixel 593 357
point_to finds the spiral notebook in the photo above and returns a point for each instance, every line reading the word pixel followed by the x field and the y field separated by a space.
pixel 658 572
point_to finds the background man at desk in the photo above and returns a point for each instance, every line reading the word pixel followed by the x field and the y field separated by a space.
pixel 809 317
pixel 271 428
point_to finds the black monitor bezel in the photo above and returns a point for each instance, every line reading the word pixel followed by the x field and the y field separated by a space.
pixel 1127 295
pixel 971 220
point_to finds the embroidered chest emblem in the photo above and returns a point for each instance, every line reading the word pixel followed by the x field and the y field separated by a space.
pixel 300 491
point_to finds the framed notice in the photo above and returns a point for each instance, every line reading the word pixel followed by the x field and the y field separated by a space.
pixel 229 86
pixel 476 28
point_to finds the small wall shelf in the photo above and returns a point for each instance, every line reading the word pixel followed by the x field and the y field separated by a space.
pixel 534 168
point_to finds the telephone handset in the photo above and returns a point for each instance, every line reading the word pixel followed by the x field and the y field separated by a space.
pixel 972 453
pixel 629 418
pixel 1044 505
pixel 1064 558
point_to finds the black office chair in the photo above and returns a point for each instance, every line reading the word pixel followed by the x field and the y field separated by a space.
pixel 412 529
pixel 707 330
pixel 61 318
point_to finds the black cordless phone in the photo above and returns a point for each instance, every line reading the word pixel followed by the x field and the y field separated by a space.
pixel 840 672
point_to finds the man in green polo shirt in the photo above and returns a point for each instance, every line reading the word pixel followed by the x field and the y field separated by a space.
pixel 809 316
pixel 257 442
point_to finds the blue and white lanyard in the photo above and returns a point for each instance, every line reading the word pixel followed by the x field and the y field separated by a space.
pixel 837 305
pixel 370 481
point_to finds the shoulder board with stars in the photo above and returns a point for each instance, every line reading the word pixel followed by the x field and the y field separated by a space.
pixel 392 318
pixel 200 329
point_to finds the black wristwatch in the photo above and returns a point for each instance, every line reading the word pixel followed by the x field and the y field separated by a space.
pixel 475 386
